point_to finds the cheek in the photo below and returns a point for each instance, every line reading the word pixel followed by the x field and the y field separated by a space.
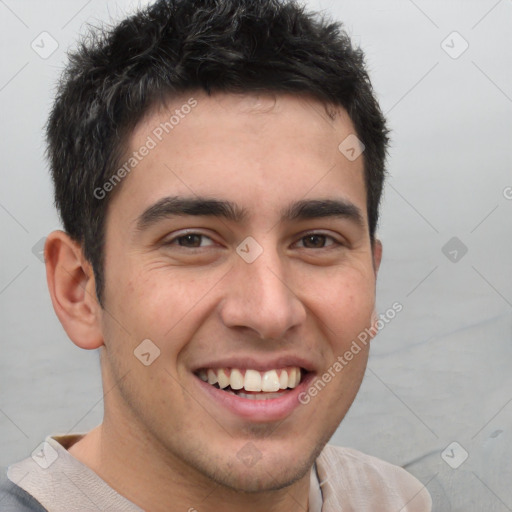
pixel 343 303
pixel 161 303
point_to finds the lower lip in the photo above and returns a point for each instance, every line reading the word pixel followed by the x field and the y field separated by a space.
pixel 272 409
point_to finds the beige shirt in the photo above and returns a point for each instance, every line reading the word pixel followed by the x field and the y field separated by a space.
pixel 342 480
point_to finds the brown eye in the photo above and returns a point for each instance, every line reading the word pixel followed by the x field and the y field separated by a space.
pixel 191 240
pixel 315 241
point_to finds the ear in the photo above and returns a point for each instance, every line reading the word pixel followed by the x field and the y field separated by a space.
pixel 377 258
pixel 376 254
pixel 72 289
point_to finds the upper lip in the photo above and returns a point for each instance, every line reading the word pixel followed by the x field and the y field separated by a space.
pixel 257 363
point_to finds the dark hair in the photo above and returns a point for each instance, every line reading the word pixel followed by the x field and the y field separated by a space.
pixel 117 74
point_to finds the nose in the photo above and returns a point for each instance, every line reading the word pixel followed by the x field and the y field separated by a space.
pixel 260 297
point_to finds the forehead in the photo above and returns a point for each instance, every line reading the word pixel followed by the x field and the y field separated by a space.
pixel 258 150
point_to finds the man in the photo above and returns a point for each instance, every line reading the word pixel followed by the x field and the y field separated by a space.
pixel 218 167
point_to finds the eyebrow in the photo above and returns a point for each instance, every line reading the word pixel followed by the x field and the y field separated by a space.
pixel 200 206
pixel 196 206
pixel 319 208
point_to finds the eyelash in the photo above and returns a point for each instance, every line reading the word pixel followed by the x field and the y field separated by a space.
pixel 174 240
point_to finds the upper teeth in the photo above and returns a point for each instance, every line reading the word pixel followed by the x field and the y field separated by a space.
pixel 253 380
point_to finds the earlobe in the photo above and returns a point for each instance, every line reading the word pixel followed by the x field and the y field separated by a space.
pixel 72 289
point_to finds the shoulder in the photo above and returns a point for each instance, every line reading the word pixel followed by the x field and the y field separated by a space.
pixel 364 481
pixel 14 499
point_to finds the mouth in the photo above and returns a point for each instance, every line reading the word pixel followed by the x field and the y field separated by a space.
pixel 252 384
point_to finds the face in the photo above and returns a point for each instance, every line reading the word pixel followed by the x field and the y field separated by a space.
pixel 219 252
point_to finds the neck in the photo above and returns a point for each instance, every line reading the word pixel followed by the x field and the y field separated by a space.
pixel 141 471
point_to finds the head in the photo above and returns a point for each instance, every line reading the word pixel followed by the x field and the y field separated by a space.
pixel 174 137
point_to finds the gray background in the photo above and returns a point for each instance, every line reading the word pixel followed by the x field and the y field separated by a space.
pixel 440 371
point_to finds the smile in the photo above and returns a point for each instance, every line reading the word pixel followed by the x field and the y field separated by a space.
pixel 253 384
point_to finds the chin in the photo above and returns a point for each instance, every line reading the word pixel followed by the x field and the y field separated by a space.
pixel 262 479
pixel 253 472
